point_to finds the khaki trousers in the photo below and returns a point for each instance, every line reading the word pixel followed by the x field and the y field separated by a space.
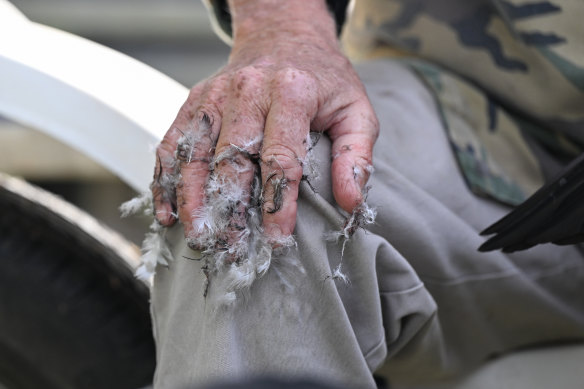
pixel 421 305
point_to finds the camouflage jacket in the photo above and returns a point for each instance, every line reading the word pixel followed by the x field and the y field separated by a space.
pixel 508 77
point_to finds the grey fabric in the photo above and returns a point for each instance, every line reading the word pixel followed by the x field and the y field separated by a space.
pixel 422 304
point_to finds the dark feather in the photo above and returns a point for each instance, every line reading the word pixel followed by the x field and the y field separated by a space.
pixel 555 213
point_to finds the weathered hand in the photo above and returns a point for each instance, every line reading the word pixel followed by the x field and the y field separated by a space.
pixel 285 77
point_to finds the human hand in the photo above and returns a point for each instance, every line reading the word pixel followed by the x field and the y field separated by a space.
pixel 285 77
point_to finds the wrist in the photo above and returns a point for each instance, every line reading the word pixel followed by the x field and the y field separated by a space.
pixel 262 20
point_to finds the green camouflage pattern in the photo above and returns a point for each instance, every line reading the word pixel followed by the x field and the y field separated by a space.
pixel 483 136
pixel 501 72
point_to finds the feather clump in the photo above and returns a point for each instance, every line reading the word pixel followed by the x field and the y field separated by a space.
pixel 228 227
pixel 361 216
pixel 155 248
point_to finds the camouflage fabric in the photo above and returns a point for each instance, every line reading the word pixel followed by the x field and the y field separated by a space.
pixel 508 76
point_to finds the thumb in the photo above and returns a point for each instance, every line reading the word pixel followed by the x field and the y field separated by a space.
pixel 352 150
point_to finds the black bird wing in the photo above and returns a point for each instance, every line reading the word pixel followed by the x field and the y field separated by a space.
pixel 555 213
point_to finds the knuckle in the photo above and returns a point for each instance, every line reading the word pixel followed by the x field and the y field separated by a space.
pixel 369 119
pixel 281 152
pixel 196 91
pixel 187 110
pixel 282 157
pixel 296 85
pixel 211 107
pixel 246 78
pixel 292 78
pixel 164 150
pixel 210 98
pixel 289 75
pixel 247 92
pixel 363 161
pixel 372 118
pixel 156 190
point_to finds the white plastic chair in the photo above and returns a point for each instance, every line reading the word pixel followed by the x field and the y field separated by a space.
pixel 105 104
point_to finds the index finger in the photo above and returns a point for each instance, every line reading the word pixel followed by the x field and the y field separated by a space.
pixel 166 169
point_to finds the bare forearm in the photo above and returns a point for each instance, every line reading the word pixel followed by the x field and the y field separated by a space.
pixel 292 21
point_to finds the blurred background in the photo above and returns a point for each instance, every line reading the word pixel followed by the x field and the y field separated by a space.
pixel 173 36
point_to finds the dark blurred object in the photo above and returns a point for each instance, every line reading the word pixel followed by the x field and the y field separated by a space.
pixel 553 214
pixel 273 383
pixel 72 315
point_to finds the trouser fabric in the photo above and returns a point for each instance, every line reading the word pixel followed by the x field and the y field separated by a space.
pixel 422 304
